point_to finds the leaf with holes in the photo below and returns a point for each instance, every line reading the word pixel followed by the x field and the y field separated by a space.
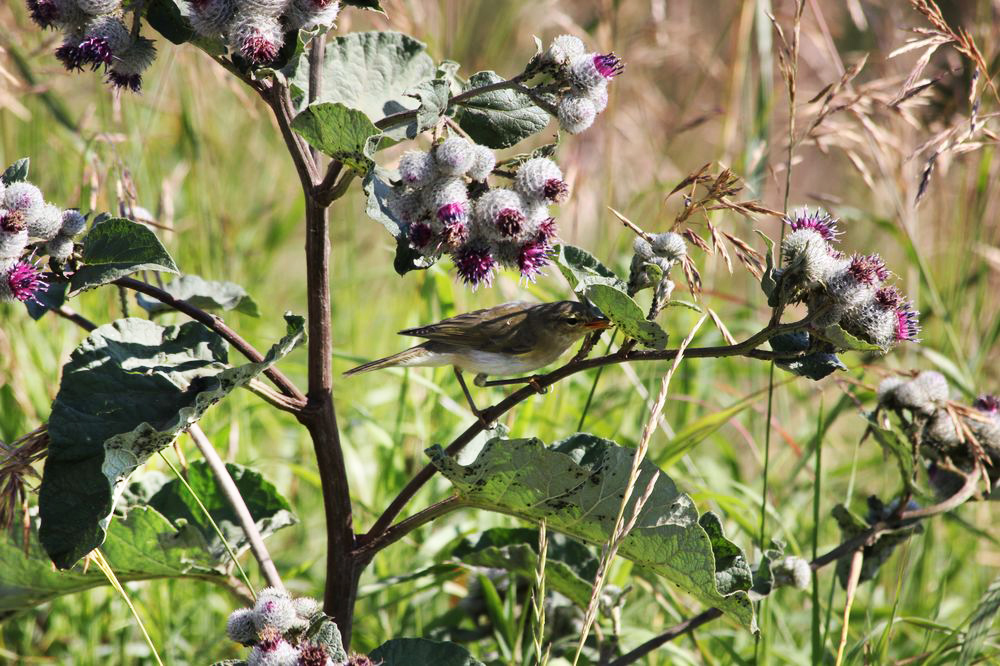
pixel 577 486
pixel 127 392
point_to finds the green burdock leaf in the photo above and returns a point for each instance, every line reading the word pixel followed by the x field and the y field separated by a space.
pixel 117 247
pixel 127 392
pixel 626 315
pixel 422 652
pixel 569 566
pixel 841 339
pixel 500 118
pixel 165 17
pixel 50 298
pixel 269 509
pixel 378 191
pixel 141 546
pixel 371 72
pixel 344 134
pixel 581 268
pixel 577 486
pixel 16 172
pixel 203 294
pixel 433 96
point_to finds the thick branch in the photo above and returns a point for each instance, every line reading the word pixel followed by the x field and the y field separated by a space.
pixel 216 324
pixel 492 413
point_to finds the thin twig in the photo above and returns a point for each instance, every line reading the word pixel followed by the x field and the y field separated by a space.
pixel 404 527
pixel 238 504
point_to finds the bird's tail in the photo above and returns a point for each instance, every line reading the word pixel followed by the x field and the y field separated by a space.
pixel 404 358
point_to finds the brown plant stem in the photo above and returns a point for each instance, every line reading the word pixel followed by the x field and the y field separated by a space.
pixel 746 348
pixel 396 532
pixel 216 324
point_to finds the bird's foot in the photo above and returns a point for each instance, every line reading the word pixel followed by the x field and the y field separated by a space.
pixel 533 381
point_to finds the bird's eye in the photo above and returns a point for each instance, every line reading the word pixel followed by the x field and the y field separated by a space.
pixel 572 321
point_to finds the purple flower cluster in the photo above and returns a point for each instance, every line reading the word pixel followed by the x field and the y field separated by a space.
pixel 97 37
pixel 29 225
pixel 848 291
pixel 494 227
pixel 583 78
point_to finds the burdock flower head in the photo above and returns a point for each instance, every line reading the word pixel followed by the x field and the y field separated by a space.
pixel 540 179
pixel 22 282
pixel 454 156
pixel 475 264
pixel 257 38
pixel 500 214
pixel 592 69
pixel 533 256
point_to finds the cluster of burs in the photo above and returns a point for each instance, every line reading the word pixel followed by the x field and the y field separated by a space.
pixel 99 33
pixel 943 430
pixel 446 205
pixel 29 225
pixel 840 289
pixel 105 33
pixel 282 631
pixel 581 80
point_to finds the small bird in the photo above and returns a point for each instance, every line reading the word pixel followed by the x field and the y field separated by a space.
pixel 507 339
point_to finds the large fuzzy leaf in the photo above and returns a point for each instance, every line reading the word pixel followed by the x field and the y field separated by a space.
pixel 117 247
pixel 127 392
pixel 371 72
pixel 500 118
pixel 203 294
pixel 577 486
pixel 141 546
pixel 422 652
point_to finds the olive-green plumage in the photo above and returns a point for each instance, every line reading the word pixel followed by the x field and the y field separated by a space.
pixel 504 340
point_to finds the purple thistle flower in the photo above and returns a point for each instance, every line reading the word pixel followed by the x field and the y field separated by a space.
pixel 70 56
pixel 43 12
pixel 131 82
pixel 907 322
pixel 312 654
pixel 868 269
pixel 608 65
pixel 420 234
pixel 987 403
pixel 475 265
pixel 533 257
pixel 450 213
pixel 258 49
pixel 25 280
pixel 509 221
pixel 547 229
pixel 95 51
pixel 556 190
pixel 820 222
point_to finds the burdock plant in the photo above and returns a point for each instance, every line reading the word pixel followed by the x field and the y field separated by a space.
pixel 450 194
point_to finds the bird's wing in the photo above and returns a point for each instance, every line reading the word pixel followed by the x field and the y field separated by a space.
pixel 496 329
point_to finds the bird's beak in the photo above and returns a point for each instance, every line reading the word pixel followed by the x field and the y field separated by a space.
pixel 598 324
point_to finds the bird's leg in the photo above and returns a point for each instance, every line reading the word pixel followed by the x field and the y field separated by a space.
pixel 533 380
pixel 468 396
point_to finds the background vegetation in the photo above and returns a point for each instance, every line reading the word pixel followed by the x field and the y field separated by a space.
pixel 702 85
